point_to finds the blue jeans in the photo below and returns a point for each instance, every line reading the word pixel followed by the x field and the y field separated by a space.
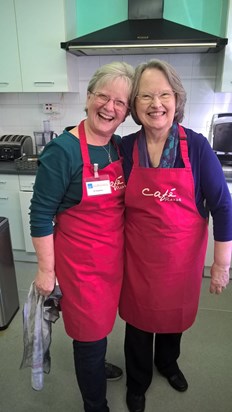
pixel 89 359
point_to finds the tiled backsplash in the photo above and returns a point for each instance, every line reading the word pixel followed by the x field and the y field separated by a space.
pixel 21 113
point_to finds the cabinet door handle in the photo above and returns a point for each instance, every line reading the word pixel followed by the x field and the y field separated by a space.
pixel 4 83
pixel 2 182
pixel 4 198
pixel 44 83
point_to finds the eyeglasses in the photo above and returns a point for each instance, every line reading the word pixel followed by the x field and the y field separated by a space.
pixel 164 96
pixel 103 99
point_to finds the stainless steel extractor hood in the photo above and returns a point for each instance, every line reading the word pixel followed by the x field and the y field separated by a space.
pixel 145 32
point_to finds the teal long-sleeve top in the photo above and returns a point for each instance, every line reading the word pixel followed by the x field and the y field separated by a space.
pixel 58 183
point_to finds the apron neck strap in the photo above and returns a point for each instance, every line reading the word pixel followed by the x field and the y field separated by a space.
pixel 184 147
pixel 83 143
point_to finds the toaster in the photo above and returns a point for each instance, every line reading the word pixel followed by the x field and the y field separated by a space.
pixel 13 146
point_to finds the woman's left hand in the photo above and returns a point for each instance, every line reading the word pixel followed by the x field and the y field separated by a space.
pixel 219 278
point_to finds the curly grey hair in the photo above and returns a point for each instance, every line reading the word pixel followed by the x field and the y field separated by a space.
pixel 172 78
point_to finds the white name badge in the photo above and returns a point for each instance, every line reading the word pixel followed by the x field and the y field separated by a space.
pixel 96 186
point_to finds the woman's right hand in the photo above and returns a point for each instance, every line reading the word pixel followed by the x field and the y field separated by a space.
pixel 45 282
pixel 45 277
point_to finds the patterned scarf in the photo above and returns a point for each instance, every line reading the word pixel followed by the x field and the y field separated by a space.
pixel 168 156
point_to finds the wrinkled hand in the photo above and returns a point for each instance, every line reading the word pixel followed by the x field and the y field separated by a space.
pixel 45 282
pixel 219 278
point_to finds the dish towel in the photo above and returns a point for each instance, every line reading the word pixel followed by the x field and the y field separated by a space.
pixel 39 312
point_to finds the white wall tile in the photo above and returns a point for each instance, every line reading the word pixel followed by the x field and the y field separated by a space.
pixel 129 122
pixel 185 121
pixel 187 84
pixel 225 107
pixel 71 98
pixel 83 85
pixel 162 56
pixel 28 98
pixel 183 63
pixel 21 113
pixel 87 67
pixel 9 98
pixel 72 115
pixel 223 98
pixel 128 130
pixel 109 59
pixel 200 116
pixel 10 115
pixel 134 60
pixel 49 97
pixel 204 65
pixel 202 91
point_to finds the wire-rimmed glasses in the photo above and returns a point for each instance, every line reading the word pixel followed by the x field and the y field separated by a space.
pixel 163 96
pixel 103 99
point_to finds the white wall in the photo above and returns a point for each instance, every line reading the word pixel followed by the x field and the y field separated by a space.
pixel 21 113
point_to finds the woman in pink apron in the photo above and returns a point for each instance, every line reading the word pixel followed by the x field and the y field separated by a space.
pixel 80 182
pixel 173 178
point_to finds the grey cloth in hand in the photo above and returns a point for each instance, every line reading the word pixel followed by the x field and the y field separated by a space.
pixel 38 313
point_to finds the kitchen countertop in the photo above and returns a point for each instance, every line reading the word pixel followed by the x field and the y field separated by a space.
pixel 9 168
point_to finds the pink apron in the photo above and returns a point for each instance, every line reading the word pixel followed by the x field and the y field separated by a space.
pixel 166 241
pixel 89 255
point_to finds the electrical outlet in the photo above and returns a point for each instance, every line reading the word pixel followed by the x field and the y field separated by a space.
pixel 47 108
pixel 50 108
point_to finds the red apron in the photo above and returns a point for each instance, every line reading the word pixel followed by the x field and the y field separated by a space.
pixel 166 241
pixel 89 255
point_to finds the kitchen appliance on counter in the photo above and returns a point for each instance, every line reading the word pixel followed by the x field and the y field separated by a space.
pixel 221 141
pixel 13 146
pixel 44 137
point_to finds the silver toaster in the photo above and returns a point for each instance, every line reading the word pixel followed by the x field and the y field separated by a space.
pixel 13 146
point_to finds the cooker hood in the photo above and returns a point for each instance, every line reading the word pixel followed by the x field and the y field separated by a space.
pixel 145 32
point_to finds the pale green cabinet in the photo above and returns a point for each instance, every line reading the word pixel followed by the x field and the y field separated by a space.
pixel 35 30
pixel 10 208
pixel 10 75
pixel 224 73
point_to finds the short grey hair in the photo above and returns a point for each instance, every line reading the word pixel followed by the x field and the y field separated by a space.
pixel 110 72
pixel 172 77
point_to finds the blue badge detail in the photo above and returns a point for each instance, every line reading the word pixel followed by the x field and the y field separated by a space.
pixel 90 185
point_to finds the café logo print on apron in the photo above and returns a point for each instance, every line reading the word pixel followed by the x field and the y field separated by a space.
pixel 118 184
pixel 168 196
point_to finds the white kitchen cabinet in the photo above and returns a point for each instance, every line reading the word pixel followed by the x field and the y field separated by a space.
pixel 224 72
pixel 10 208
pixel 10 74
pixel 34 56
pixel 26 183
pixel 25 201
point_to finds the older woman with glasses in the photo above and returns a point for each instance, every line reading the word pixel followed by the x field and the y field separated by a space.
pixel 173 178
pixel 80 188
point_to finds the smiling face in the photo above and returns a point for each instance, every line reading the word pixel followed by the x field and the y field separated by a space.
pixel 104 117
pixel 155 115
